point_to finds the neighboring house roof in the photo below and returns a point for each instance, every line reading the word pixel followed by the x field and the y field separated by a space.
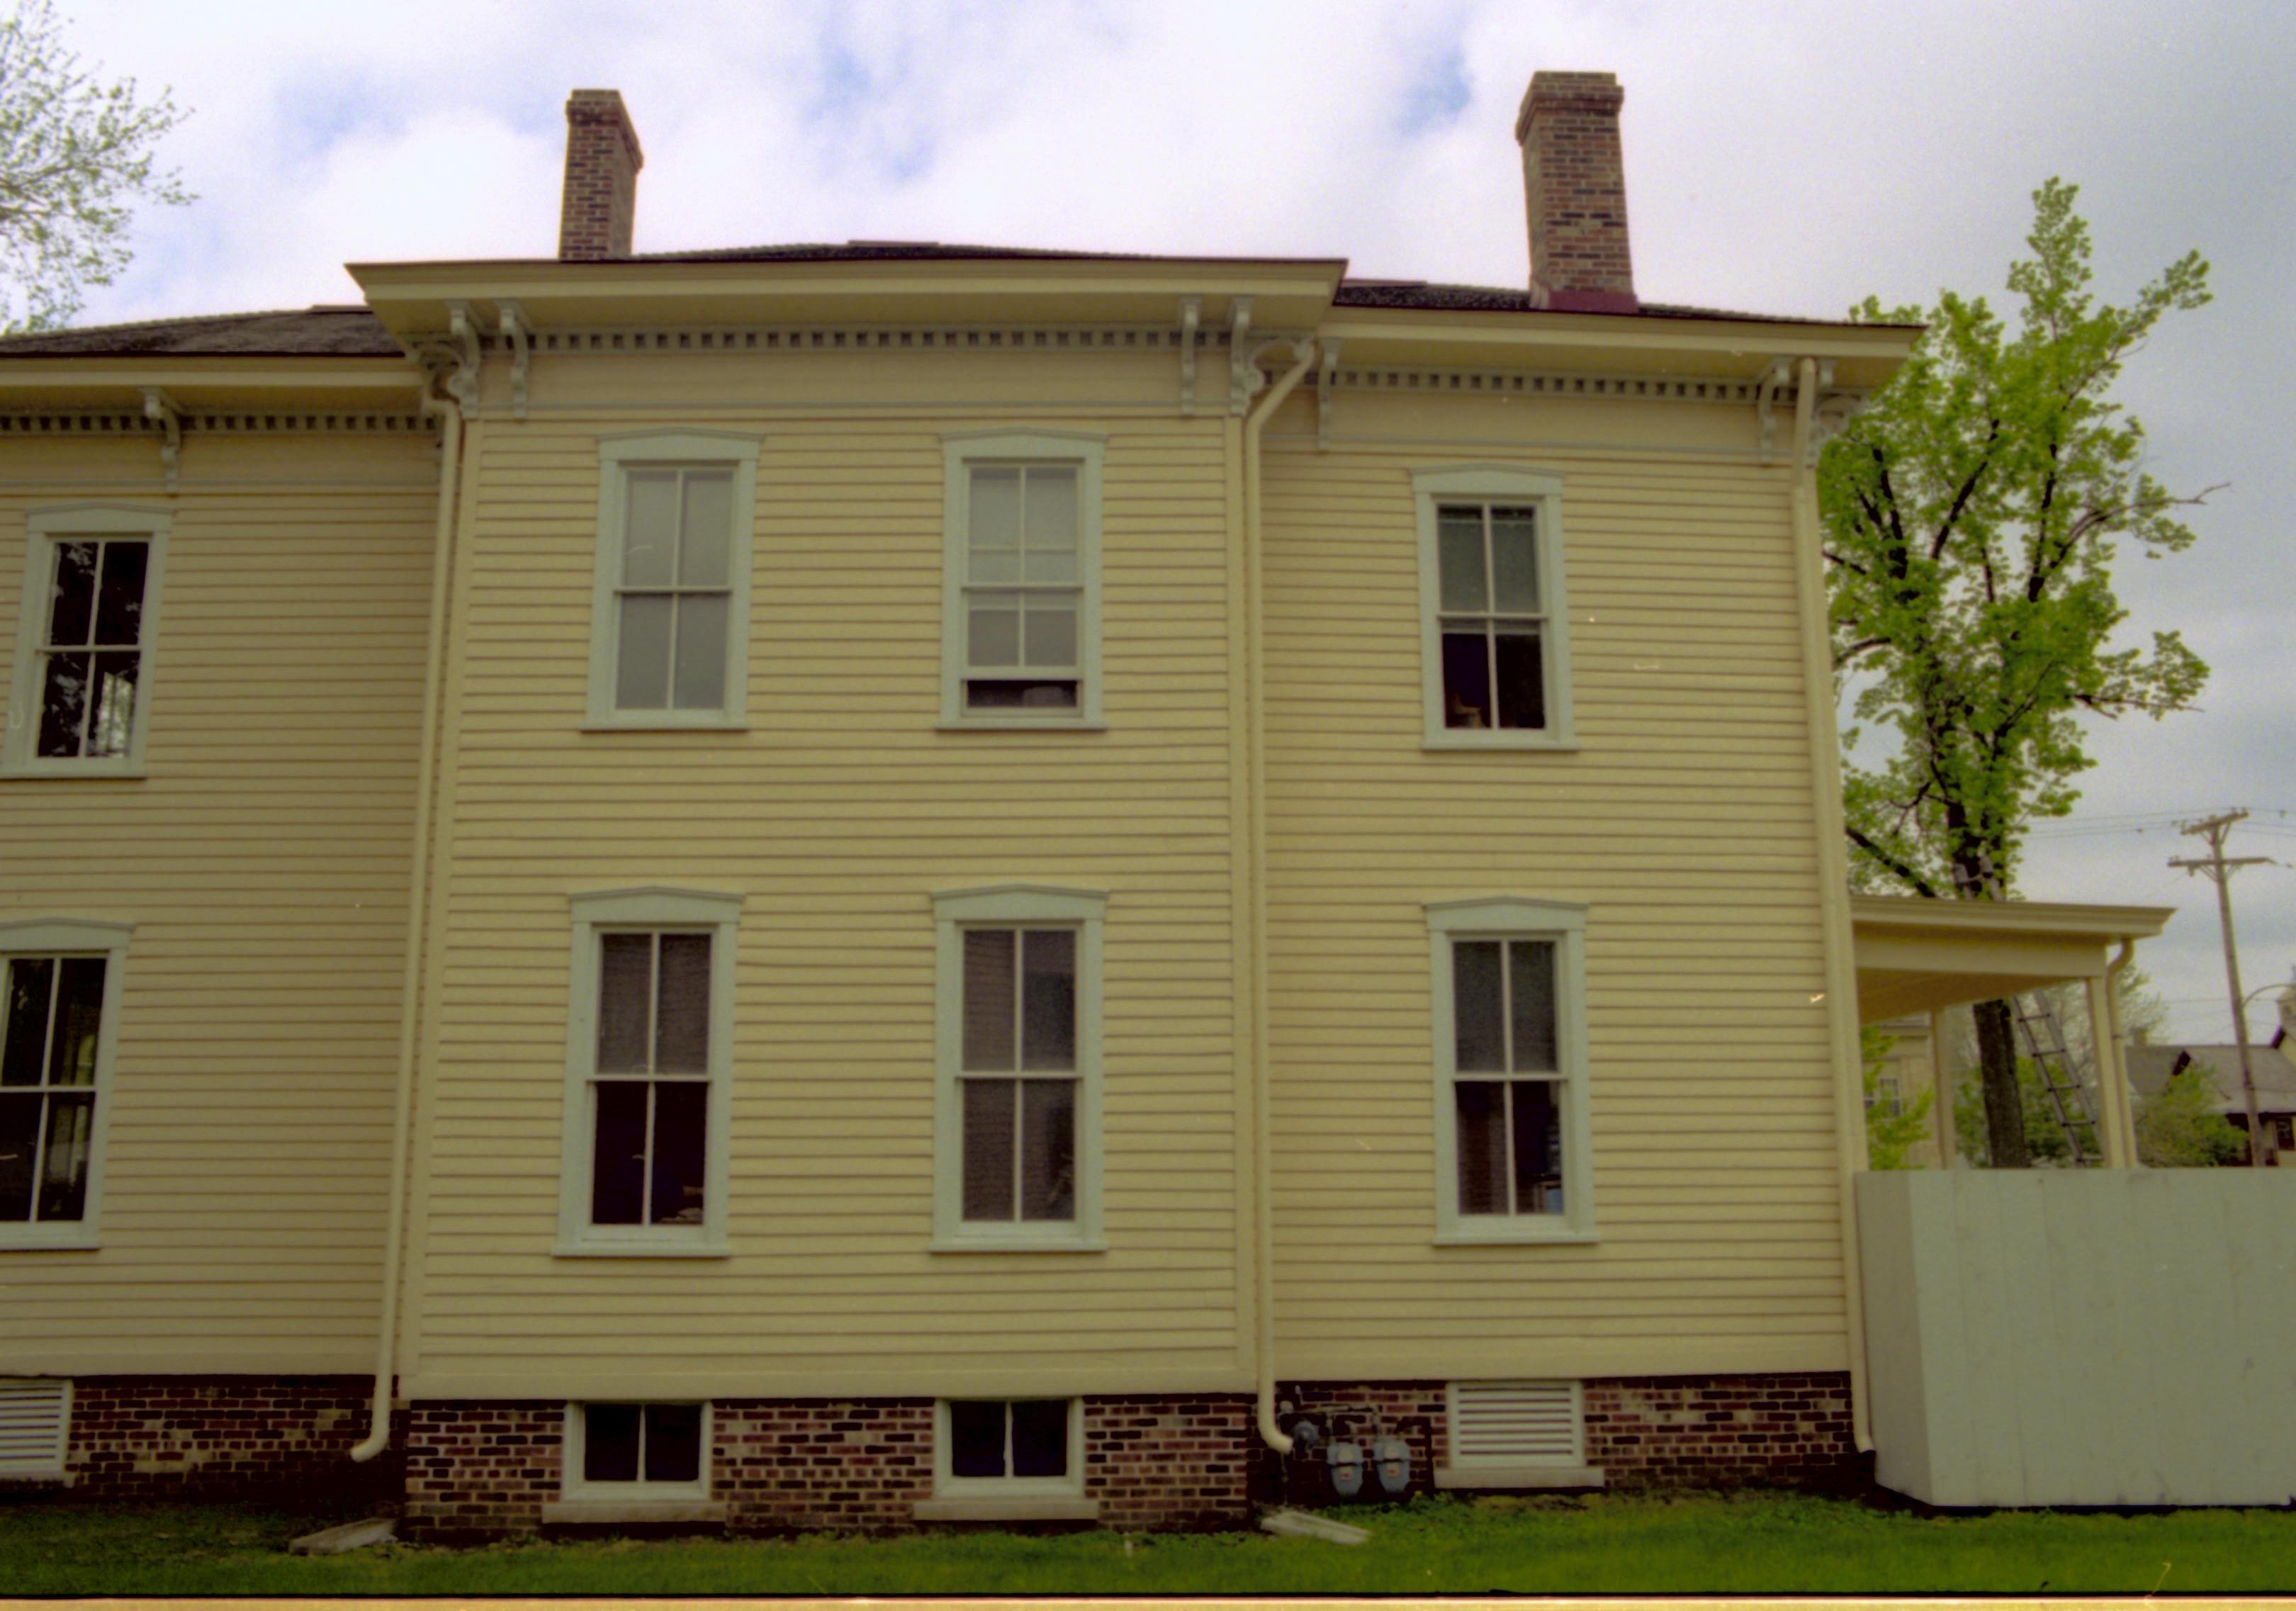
pixel 2151 1067
pixel 323 331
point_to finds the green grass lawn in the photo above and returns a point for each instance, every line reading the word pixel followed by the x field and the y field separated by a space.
pixel 1764 1543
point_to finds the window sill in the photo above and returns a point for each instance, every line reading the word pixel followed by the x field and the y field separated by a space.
pixel 1519 1477
pixel 1016 1243
pixel 664 727
pixel 1480 739
pixel 640 1250
pixel 70 769
pixel 606 1512
pixel 1021 724
pixel 1009 1507
pixel 1505 1236
pixel 18 1240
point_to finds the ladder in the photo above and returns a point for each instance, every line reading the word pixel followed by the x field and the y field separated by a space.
pixel 2070 1100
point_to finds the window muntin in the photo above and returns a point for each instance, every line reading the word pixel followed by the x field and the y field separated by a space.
pixel 1513 1137
pixel 50 1041
pixel 649 1095
pixel 1018 1075
pixel 1495 631
pixel 1020 627
pixel 638 1450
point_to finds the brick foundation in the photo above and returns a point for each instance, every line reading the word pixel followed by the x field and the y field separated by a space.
pixel 1722 1431
pixel 1155 1462
pixel 209 1437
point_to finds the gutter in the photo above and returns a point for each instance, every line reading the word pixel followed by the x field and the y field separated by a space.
pixel 1303 357
pixel 1833 886
pixel 450 418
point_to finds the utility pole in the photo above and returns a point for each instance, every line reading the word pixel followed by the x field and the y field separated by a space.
pixel 2220 867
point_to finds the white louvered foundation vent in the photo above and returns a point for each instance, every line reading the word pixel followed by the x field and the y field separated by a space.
pixel 1516 1424
pixel 35 1415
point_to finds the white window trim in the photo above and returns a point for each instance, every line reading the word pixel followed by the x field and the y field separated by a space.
pixel 570 1485
pixel 948 1487
pixel 1543 491
pixel 65 936
pixel 649 908
pixel 960 451
pixel 42 529
pixel 618 452
pixel 1512 917
pixel 1000 906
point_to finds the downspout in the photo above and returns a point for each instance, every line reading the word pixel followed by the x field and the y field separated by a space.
pixel 1303 353
pixel 450 418
pixel 1833 881
pixel 2113 1086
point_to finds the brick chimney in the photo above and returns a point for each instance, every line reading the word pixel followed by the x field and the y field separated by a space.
pixel 603 160
pixel 1574 182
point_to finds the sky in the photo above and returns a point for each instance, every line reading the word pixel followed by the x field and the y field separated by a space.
pixel 1783 157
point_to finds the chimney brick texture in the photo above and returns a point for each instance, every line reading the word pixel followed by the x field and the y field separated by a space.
pixel 1575 190
pixel 603 159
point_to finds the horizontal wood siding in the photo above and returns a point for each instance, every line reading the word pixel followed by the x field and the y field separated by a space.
pixel 836 815
pixel 1684 822
pixel 263 861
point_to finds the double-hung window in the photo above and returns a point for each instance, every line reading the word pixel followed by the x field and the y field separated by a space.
pixel 1494 639
pixel 1021 587
pixel 1018 1116
pixel 670 644
pixel 1512 1125
pixel 649 1051
pixel 81 692
pixel 59 987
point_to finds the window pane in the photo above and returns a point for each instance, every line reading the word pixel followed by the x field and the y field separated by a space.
pixel 996 508
pixel 641 681
pixel 997 567
pixel 1480 1046
pixel 1531 967
pixel 1048 1149
pixel 673 1442
pixel 609 1444
pixel 976 1439
pixel 63 1164
pixel 1467 680
pixel 682 1010
pixel 988 1148
pixel 625 987
pixel 702 651
pixel 989 981
pixel 993 635
pixel 1048 999
pixel 1523 694
pixel 120 601
pixel 1459 548
pixel 1052 509
pixel 983 694
pixel 1537 1148
pixel 681 1130
pixel 63 701
pixel 31 981
pixel 80 1008
pixel 20 1140
pixel 650 542
pixel 1040 1437
pixel 1051 569
pixel 73 610
pixel 618 1163
pixel 702 556
pixel 1514 561
pixel 1480 1108
pixel 114 718
pixel 1052 635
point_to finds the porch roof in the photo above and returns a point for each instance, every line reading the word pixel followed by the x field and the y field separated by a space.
pixel 1919 956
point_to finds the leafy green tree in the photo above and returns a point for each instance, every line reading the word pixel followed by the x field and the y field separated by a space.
pixel 1970 517
pixel 2177 1126
pixel 1893 1129
pixel 2036 1122
pixel 75 153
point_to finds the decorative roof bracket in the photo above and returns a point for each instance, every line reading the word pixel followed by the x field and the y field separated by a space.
pixel 1327 382
pixel 1191 314
pixel 516 327
pixel 159 406
pixel 1243 376
pixel 1774 378
pixel 463 332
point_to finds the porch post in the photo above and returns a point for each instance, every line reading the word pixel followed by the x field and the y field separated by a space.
pixel 2112 1119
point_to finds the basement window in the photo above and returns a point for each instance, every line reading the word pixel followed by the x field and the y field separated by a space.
pixel 1008 1446
pixel 637 1450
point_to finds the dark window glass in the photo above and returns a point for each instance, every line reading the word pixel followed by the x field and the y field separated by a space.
pixel 119 603
pixel 63 1162
pixel 976 1439
pixel 682 1015
pixel 63 703
pixel 618 1167
pixel 79 1009
pixel 981 694
pixel 1040 1437
pixel 1537 1148
pixel 989 986
pixel 609 1444
pixel 681 1128
pixel 19 1145
pixel 31 981
pixel 1048 999
pixel 73 610
pixel 1047 1149
pixel 1522 692
pixel 988 1148
pixel 1480 1043
pixel 673 1442
pixel 1467 680
pixel 1530 969
pixel 1481 1106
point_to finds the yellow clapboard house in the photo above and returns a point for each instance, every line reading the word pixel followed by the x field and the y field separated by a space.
pixel 863 885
